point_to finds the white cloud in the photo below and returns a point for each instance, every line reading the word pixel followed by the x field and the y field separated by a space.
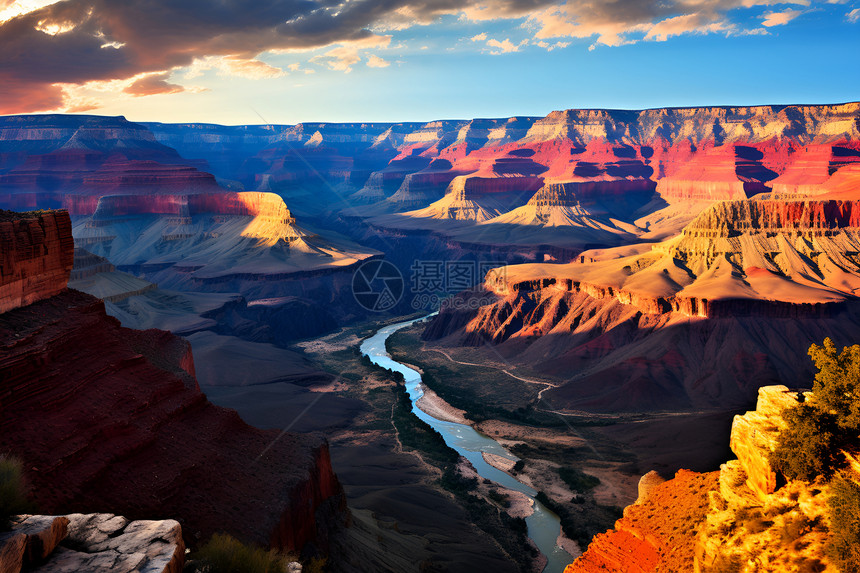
pixel 377 62
pixel 623 22
pixel 504 47
pixel 550 47
pixel 853 16
pixel 248 68
pixel 347 54
pixel 780 18
pixel 686 24
pixel 479 37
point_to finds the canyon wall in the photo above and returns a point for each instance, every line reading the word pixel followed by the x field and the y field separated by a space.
pixel 56 161
pixel 111 419
pixel 36 256
pixel 619 158
pixel 764 278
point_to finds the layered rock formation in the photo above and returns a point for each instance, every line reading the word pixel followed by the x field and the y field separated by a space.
pixel 70 161
pixel 204 238
pixel 752 268
pixel 754 522
pixel 94 542
pixel 112 419
pixel 735 519
pixel 36 256
pixel 617 159
pixel 96 275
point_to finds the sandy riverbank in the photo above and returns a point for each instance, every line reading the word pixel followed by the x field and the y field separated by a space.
pixel 517 499
pixel 432 404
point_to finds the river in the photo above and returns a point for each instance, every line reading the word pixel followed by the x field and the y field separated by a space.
pixel 543 525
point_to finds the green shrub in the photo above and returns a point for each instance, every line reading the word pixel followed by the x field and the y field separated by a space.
pixel 809 447
pixel 844 508
pixel 225 554
pixel 13 492
pixel 315 565
pixel 578 480
pixel 819 428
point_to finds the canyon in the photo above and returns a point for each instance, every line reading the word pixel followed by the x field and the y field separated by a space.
pixel 108 418
pixel 638 276
pixel 764 278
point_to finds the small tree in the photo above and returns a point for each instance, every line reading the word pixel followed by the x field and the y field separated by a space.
pixel 809 447
pixel 819 428
pixel 837 384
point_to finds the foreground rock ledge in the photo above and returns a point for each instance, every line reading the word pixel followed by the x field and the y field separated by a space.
pixel 91 542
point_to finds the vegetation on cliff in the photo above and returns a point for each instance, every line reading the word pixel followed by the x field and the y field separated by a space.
pixel 829 421
pixel 814 444
pixel 226 554
pixel 13 492
pixel 844 510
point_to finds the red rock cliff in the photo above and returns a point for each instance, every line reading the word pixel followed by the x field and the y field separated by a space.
pixel 36 256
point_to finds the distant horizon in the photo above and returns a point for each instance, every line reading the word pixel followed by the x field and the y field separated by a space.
pixel 425 121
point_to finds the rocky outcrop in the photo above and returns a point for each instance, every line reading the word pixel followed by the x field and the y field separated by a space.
pixel 735 519
pixel 755 434
pixel 732 218
pixel 35 256
pixel 95 542
pixel 753 518
pixel 114 430
pixel 657 533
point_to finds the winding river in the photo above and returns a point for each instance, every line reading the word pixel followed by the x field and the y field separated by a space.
pixel 543 525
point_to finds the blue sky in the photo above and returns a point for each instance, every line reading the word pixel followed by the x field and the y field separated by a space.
pixel 292 61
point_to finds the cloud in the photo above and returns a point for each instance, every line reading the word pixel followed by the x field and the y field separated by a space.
pixel 479 37
pixel 503 47
pixel 343 57
pixel 780 18
pixel 550 47
pixel 153 84
pixel 377 62
pixel 853 16
pixel 248 68
pixel 629 21
pixel 65 42
pixel 45 44
pixel 687 24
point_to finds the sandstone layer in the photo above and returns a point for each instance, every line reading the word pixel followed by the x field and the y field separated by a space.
pixel 35 256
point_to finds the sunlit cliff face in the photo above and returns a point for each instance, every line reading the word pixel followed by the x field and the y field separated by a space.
pixel 272 221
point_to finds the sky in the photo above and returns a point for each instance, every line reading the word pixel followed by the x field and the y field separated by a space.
pixel 287 61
